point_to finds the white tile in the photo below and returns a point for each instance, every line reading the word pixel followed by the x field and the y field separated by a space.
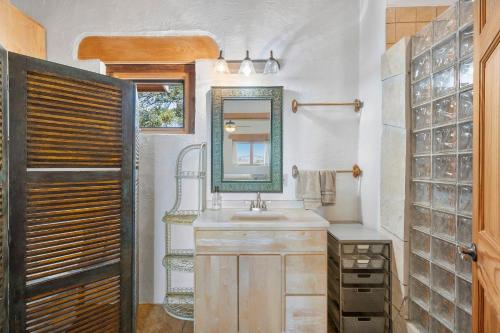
pixel 395 98
pixel 400 295
pixel 396 59
pixel 393 187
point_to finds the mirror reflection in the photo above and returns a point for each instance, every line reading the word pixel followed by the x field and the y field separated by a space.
pixel 246 139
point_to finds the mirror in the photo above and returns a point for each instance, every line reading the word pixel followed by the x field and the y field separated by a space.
pixel 246 139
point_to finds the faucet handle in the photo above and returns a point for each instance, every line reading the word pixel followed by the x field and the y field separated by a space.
pixel 264 205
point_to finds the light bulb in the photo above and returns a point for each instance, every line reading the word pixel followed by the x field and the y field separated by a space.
pixel 221 65
pixel 246 67
pixel 230 126
pixel 272 65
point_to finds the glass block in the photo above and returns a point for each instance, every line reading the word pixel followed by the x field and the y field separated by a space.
pixel 421 66
pixel 466 73
pixel 444 82
pixel 422 116
pixel 464 266
pixel 421 218
pixel 445 110
pixel 422 142
pixel 438 327
pixel 445 139
pixel 443 253
pixel 444 225
pixel 464 294
pixel 466 41
pixel 465 136
pixel 420 243
pixel 421 167
pixel 444 196
pixel 422 40
pixel 442 309
pixel 444 53
pixel 443 282
pixel 463 322
pixel 465 199
pixel 464 230
pixel 444 167
pixel 465 107
pixel 465 168
pixel 420 268
pixel 445 24
pixel 422 193
pixel 421 92
pixel 419 317
pixel 466 11
pixel 420 293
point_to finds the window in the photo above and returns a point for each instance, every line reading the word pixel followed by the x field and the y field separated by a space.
pixel 165 95
pixel 250 153
pixel 160 104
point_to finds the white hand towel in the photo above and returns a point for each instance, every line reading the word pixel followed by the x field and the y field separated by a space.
pixel 309 188
pixel 328 187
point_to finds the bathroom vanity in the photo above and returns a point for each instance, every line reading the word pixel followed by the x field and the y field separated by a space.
pixel 260 271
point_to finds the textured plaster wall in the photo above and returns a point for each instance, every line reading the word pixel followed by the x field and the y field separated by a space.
pixel 319 47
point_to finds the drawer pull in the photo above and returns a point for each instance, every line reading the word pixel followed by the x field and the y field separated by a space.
pixel 364 275
pixel 364 319
pixel 363 290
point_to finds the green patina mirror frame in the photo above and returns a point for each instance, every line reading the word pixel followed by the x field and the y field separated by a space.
pixel 275 95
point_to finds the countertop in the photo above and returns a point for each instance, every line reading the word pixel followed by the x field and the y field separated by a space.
pixel 356 232
pixel 292 219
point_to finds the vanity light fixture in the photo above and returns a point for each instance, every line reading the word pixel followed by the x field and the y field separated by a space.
pixel 230 126
pixel 221 65
pixel 272 65
pixel 246 67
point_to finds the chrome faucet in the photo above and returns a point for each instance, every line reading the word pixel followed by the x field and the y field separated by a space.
pixel 258 205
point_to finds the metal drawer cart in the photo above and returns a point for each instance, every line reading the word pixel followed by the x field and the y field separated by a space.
pixel 179 301
pixel 359 280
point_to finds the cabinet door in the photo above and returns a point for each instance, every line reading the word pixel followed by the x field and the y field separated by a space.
pixel 260 293
pixel 216 303
pixel 305 314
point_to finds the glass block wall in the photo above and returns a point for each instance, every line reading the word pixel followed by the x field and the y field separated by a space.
pixel 441 99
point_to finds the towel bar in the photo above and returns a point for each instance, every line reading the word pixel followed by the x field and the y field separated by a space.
pixel 356 171
pixel 357 105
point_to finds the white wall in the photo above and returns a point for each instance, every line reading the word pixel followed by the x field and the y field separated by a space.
pixel 371 48
pixel 320 47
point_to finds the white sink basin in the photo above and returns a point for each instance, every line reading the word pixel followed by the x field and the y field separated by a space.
pixel 258 215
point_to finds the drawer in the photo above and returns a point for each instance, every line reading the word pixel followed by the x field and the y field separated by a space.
pixel 363 299
pixel 305 274
pixel 364 324
pixel 363 278
pixel 251 241
pixel 363 262
pixel 369 248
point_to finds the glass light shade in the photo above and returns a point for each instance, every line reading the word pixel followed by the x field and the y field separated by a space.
pixel 221 65
pixel 272 65
pixel 230 126
pixel 246 67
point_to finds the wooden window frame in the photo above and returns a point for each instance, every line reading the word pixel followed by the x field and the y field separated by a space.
pixel 157 72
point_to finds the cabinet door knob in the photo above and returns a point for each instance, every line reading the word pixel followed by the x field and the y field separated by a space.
pixel 468 250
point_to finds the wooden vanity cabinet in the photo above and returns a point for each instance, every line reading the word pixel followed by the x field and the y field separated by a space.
pixel 269 281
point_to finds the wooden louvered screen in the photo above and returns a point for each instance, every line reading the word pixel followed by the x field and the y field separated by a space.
pixel 3 187
pixel 94 306
pixel 72 199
